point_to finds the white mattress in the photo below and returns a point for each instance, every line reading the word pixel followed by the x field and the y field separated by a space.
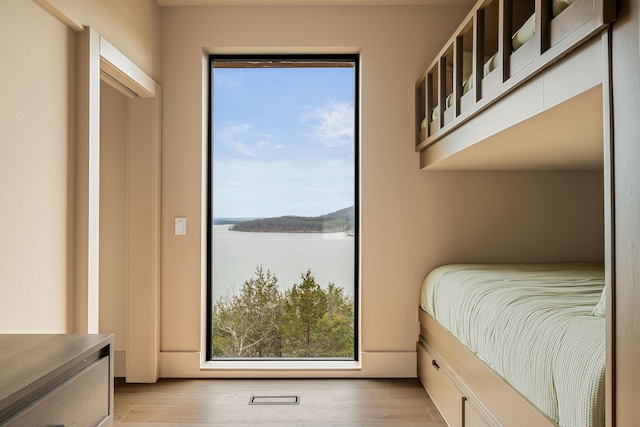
pixel 533 325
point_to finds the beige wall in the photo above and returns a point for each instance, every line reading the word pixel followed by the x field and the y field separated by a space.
pixel 130 25
pixel 36 132
pixel 37 119
pixel 457 217
pixel 411 220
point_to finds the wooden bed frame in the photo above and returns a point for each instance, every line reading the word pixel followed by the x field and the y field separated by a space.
pixel 466 390
pixel 554 38
pixel 563 70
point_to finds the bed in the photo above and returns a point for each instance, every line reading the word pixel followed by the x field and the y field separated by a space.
pixel 498 47
pixel 510 345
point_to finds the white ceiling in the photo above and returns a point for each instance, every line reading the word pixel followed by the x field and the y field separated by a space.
pixel 315 2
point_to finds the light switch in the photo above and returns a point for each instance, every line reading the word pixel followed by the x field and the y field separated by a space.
pixel 181 226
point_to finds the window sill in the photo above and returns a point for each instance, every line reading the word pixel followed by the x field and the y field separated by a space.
pixel 286 365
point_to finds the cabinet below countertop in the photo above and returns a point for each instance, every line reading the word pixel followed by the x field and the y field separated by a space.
pixel 57 379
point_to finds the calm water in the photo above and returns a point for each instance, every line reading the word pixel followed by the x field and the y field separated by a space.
pixel 329 256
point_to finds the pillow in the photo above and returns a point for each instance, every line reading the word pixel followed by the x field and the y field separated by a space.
pixel 559 6
pixel 449 100
pixel 600 309
pixel 467 85
pixel 435 113
pixel 525 33
pixel 490 64
pixel 467 65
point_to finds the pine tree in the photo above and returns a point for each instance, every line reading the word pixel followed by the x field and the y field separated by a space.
pixel 336 328
pixel 246 325
pixel 305 304
pixel 305 321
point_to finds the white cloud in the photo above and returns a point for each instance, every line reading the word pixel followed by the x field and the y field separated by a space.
pixel 253 188
pixel 332 124
pixel 242 139
pixel 226 80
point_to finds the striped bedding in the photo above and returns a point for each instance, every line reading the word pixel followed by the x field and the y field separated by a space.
pixel 533 325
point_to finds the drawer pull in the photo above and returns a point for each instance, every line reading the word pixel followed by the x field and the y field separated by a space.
pixel 435 365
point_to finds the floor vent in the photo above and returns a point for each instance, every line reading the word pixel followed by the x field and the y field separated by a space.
pixel 274 400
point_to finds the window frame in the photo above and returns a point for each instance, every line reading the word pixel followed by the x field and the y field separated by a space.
pixel 306 363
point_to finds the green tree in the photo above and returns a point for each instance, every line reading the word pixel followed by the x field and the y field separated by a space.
pixel 262 321
pixel 246 325
pixel 304 306
pixel 335 328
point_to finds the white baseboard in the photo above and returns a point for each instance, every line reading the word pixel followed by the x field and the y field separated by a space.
pixel 372 365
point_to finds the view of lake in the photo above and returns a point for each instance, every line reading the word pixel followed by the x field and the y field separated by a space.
pixel 329 256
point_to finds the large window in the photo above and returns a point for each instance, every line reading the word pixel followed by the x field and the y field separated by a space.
pixel 283 207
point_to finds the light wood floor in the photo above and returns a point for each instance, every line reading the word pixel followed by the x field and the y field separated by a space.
pixel 323 402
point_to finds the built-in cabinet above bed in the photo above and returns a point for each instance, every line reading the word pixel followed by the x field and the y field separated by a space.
pixel 533 56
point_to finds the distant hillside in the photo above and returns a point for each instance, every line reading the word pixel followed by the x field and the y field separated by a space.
pixel 230 221
pixel 339 221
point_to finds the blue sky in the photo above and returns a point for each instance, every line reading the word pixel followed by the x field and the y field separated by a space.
pixel 283 141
